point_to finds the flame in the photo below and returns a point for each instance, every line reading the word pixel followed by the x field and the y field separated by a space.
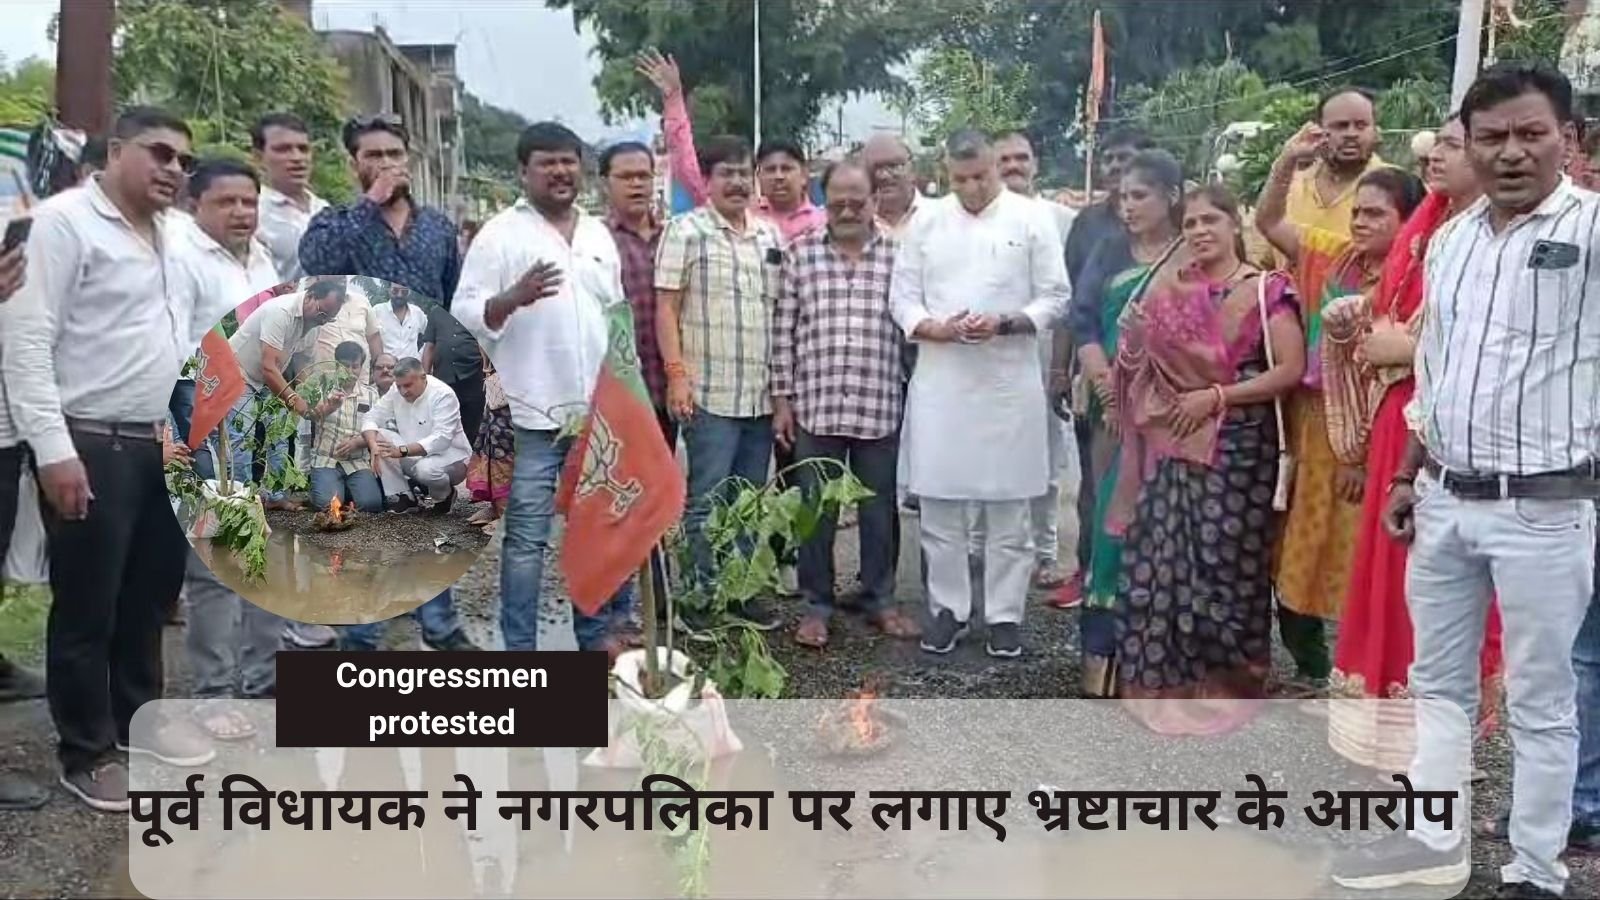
pixel 335 511
pixel 867 727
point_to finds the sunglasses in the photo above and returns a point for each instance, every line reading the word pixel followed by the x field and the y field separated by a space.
pixel 166 154
pixel 385 120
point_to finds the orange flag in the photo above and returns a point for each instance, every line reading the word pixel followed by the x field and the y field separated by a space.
pixel 218 383
pixel 1097 75
pixel 621 489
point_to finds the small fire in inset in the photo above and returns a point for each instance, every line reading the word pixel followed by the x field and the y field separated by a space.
pixel 335 511
pixel 868 730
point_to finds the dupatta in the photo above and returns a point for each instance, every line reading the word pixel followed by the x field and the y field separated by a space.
pixel 1353 389
pixel 1185 333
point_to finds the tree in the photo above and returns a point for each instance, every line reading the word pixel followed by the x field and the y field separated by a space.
pixel 955 90
pixel 812 51
pixel 490 134
pixel 27 91
pixel 221 64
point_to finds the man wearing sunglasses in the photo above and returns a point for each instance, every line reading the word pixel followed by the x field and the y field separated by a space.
pixel 90 391
pixel 385 234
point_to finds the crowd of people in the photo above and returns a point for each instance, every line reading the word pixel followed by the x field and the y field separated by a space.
pixel 1385 418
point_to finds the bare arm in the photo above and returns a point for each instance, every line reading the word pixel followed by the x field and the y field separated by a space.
pixel 1289 354
pixel 1272 214
pixel 272 361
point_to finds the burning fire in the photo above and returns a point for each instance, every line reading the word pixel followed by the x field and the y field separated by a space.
pixel 335 511
pixel 867 727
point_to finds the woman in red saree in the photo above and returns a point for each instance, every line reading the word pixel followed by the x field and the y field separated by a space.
pixel 1367 352
pixel 1202 355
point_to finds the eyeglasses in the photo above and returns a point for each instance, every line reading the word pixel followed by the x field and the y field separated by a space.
pixel 166 154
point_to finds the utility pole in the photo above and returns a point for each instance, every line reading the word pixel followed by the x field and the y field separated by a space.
pixel 83 64
pixel 1469 49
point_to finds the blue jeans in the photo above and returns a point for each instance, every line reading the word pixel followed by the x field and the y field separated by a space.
pixel 1586 663
pixel 526 526
pixel 437 618
pixel 181 405
pixel 241 425
pixel 360 487
pixel 719 449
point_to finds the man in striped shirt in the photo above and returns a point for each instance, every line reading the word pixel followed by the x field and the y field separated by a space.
pixel 1497 492
pixel 716 272
pixel 837 391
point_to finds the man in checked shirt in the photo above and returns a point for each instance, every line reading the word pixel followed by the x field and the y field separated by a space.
pixel 837 392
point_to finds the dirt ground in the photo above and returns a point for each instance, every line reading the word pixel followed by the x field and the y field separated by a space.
pixel 412 529
pixel 67 850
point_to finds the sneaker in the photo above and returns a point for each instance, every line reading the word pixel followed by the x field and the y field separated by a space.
pixel 1005 640
pixel 1524 890
pixel 309 637
pixel 19 794
pixel 176 746
pixel 103 787
pixel 17 683
pixel 442 507
pixel 1399 860
pixel 1070 595
pixel 457 640
pixel 399 503
pixel 942 635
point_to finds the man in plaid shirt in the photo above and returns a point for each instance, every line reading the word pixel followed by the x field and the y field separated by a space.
pixel 837 391
pixel 340 465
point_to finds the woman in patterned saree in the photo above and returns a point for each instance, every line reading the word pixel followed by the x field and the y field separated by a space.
pixel 1198 471
pixel 1367 351
pixel 1312 563
pixel 1150 201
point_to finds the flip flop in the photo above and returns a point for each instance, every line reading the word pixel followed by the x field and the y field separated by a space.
pixel 813 632
pixel 225 723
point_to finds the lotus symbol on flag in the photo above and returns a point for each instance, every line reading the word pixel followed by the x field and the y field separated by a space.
pixel 599 469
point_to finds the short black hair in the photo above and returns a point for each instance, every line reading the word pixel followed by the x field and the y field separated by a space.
pixel 319 289
pixel 844 165
pixel 1335 93
pixel 1009 133
pixel 136 120
pixel 1405 190
pixel 547 137
pixel 207 171
pixel 1133 138
pixel 622 148
pixel 350 353
pixel 722 149
pixel 94 152
pixel 787 147
pixel 966 143
pixel 284 120
pixel 1510 80
pixel 360 126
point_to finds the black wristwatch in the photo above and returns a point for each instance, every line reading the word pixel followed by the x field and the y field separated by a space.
pixel 1007 326
pixel 405 450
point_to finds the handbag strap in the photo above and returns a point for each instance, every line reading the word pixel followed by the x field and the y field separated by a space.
pixel 1272 363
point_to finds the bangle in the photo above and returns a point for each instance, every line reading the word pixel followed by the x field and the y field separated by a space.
pixel 1222 400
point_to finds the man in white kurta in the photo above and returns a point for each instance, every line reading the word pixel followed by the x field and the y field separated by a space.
pixel 979 276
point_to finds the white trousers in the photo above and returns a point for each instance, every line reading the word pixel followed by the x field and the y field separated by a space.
pixel 947 532
pixel 432 473
pixel 1537 557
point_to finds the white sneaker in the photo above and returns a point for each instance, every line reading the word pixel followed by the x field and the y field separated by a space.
pixel 309 637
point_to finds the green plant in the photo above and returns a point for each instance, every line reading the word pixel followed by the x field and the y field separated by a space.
pixel 668 746
pixel 746 535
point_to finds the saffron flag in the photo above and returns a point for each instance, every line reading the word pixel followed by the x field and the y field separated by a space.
pixel 218 383
pixel 621 489
pixel 1097 75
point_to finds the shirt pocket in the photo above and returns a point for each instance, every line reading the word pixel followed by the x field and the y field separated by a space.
pixel 1008 258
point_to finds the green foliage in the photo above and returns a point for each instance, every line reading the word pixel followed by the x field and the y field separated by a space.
pixel 1283 114
pixel 1186 112
pixel 27 91
pixel 24 610
pixel 668 746
pixel 811 53
pixel 741 533
pixel 222 64
pixel 955 90
pixel 490 135
pixel 1541 38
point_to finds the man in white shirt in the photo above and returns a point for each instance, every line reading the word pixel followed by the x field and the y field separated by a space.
pixel 264 345
pixel 426 446
pixel 92 347
pixel 281 145
pixel 400 322
pixel 980 274
pixel 534 289
pixel 1018 169
pixel 217 264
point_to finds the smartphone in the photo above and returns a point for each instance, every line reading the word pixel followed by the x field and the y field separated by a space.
pixel 16 234
pixel 363 407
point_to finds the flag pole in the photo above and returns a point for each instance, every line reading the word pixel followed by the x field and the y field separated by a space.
pixel 755 37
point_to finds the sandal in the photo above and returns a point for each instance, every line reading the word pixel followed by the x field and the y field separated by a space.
pixel 896 624
pixel 813 632
pixel 224 723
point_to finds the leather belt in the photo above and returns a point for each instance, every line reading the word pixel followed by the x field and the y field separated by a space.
pixel 143 431
pixel 1579 483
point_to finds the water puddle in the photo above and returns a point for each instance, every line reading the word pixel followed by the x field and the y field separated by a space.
pixel 347 586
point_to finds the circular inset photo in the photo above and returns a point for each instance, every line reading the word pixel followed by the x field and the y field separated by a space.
pixel 342 463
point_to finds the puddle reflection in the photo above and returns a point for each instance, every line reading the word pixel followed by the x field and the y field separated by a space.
pixel 339 587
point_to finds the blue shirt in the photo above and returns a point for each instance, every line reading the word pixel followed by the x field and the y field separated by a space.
pixel 354 240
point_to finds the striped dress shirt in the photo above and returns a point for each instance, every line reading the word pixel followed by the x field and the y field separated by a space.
pixel 1508 362
pixel 836 351
pixel 728 280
